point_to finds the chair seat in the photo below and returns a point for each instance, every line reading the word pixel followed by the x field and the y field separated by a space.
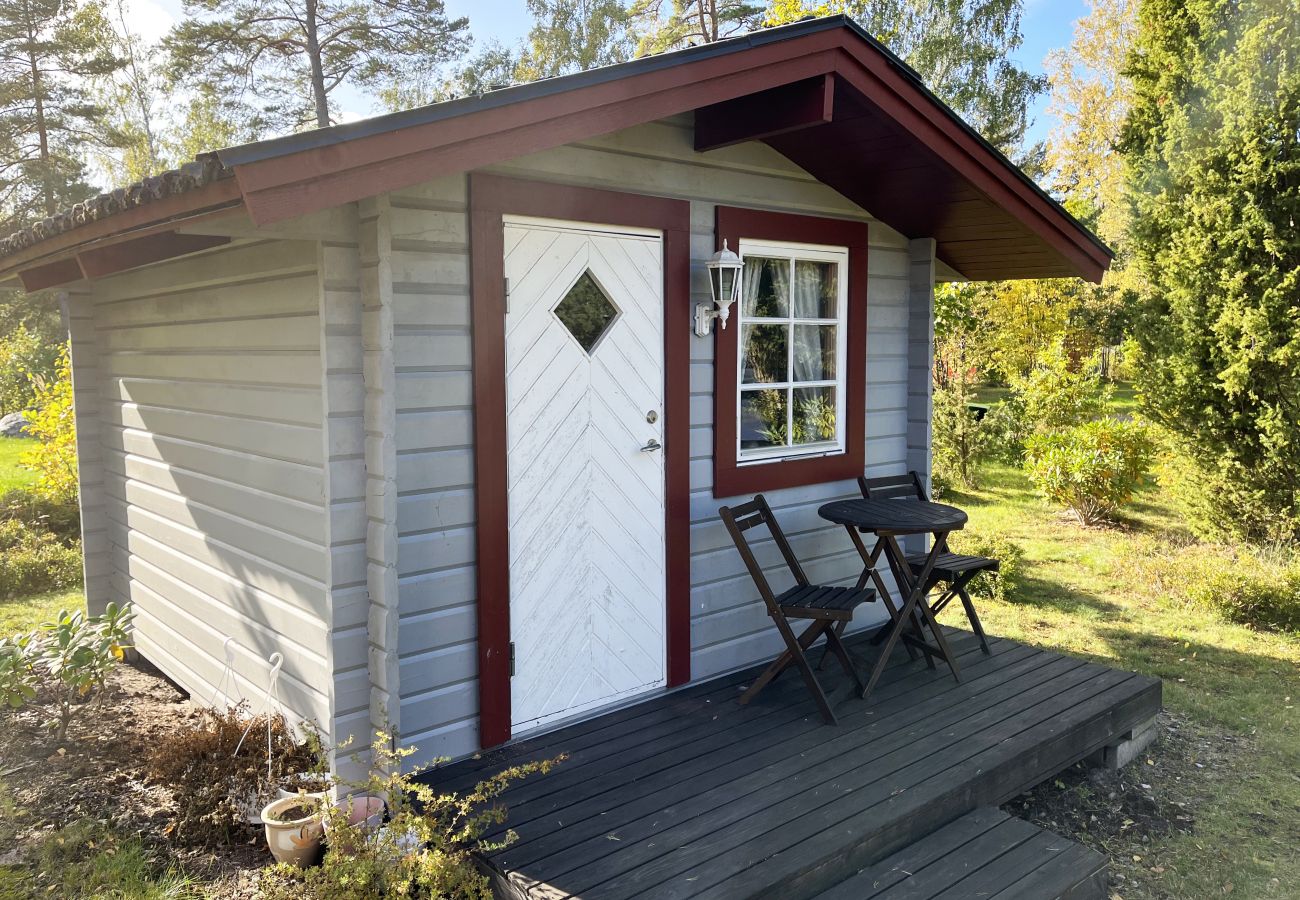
pixel 815 601
pixel 950 565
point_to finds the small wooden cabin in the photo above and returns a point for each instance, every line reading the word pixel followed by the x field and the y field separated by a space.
pixel 419 401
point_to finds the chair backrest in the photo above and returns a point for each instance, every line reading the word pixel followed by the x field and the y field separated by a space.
pixel 893 487
pixel 745 516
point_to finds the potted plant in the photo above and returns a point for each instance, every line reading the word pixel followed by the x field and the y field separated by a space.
pixel 293 829
pixel 313 781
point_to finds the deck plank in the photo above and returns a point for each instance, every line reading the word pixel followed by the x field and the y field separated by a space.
pixel 692 795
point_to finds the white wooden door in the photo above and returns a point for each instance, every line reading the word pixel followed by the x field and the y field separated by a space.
pixel 584 400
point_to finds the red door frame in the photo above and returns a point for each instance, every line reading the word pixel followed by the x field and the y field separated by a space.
pixel 490 198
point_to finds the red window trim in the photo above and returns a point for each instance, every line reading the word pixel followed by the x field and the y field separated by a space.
pixel 735 224
pixel 491 197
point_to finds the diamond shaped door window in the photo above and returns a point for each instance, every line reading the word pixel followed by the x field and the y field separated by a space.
pixel 587 312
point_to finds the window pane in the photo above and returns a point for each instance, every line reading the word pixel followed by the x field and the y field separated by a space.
pixel 765 292
pixel 763 350
pixel 586 311
pixel 762 419
pixel 816 289
pixel 814 415
pixel 814 352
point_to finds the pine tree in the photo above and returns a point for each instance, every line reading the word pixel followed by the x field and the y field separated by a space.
pixel 50 53
pixel 670 24
pixel 1213 149
pixel 287 56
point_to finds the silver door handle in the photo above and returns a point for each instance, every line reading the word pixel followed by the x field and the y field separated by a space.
pixel 651 446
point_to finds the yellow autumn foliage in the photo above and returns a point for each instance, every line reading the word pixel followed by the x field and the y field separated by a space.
pixel 54 459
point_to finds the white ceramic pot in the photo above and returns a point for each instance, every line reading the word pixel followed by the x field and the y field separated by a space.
pixel 297 841
pixel 290 787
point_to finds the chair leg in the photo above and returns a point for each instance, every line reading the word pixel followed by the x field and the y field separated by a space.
pixel 974 619
pixel 838 628
pixel 810 678
pixel 793 646
pixel 836 645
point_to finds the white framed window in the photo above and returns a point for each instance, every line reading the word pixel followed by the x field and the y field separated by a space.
pixel 791 320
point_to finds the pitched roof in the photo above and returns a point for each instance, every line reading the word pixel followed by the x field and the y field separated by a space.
pixel 822 91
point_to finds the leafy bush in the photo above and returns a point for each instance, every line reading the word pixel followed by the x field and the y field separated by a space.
pixel 424 850
pixel 53 423
pixel 1238 583
pixel 1001 585
pixel 25 358
pixel 215 787
pixel 1091 469
pixel 62 518
pixel 1005 429
pixel 33 561
pixel 1262 595
pixel 1059 394
pixel 63 665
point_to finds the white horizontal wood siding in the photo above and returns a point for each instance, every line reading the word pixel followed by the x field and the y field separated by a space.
pixel 437 650
pixel 214 467
pixel 439 692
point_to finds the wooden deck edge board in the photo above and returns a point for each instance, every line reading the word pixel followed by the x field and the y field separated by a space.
pixel 810 749
pixel 684 864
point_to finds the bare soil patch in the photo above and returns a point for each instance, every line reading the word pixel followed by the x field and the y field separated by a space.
pixel 1130 815
pixel 98 775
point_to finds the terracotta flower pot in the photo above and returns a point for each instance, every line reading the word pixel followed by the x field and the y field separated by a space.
pixel 294 841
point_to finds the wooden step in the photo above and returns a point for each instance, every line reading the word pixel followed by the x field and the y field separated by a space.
pixel 986 854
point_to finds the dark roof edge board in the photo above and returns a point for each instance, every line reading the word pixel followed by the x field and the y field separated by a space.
pixel 448 109
pixel 221 165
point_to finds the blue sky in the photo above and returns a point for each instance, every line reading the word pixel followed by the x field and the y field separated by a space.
pixel 1048 24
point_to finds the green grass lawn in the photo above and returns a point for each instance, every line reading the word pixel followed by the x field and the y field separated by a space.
pixel 25 613
pixel 11 475
pixel 1086 591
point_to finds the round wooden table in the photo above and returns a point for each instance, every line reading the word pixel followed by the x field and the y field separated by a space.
pixel 888 519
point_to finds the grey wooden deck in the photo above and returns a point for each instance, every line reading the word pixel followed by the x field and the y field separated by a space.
pixel 690 794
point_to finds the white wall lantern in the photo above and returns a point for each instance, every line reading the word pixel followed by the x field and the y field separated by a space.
pixel 724 285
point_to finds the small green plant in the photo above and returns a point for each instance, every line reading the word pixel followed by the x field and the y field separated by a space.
pixel 959 435
pixel 34 561
pixel 1001 585
pixel 423 851
pixel 63 665
pixel 53 423
pixel 1059 394
pixel 1091 469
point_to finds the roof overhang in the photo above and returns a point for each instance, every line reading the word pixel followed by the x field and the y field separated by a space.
pixel 822 92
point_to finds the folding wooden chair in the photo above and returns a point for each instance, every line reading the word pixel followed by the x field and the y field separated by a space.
pixel 953 570
pixel 826 606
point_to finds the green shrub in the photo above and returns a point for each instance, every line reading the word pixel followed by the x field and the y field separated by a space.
pixel 60 517
pixel 424 850
pixel 1001 585
pixel 1058 394
pixel 34 561
pixel 1091 469
pixel 958 434
pixel 25 358
pixel 1254 590
pixel 1005 429
pixel 63 665
pixel 1238 583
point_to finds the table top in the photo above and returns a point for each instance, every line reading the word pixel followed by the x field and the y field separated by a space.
pixel 894 516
